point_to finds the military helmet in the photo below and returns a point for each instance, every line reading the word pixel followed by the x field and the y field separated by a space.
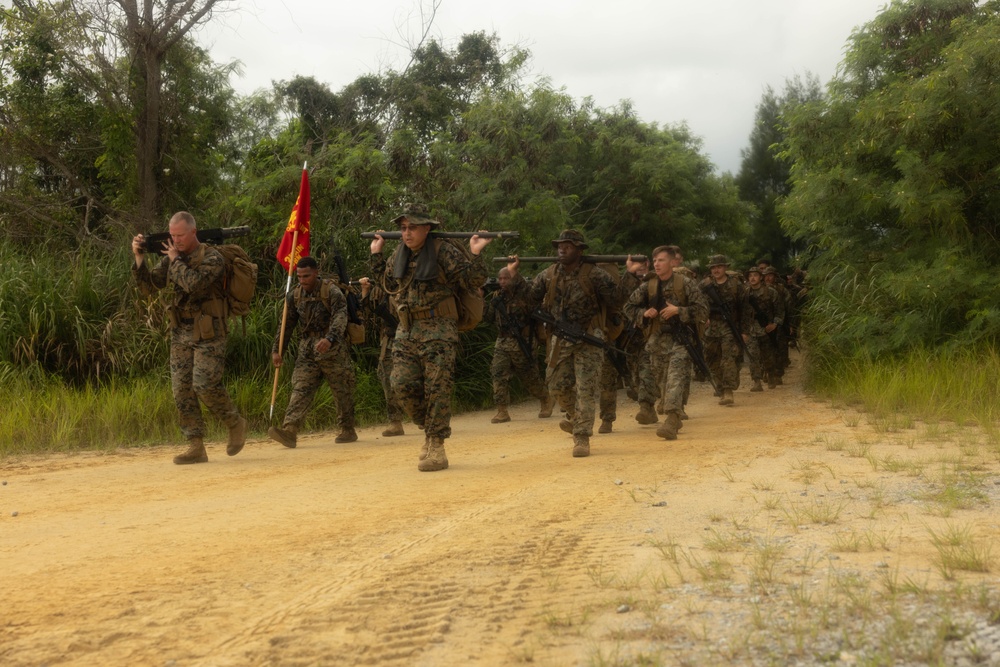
pixel 769 270
pixel 417 214
pixel 754 269
pixel 572 236
pixel 718 260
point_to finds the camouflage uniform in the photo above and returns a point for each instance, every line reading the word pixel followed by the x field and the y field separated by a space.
pixel 508 357
pixel 386 334
pixel 721 348
pixel 317 319
pixel 762 304
pixel 782 338
pixel 634 344
pixel 671 362
pixel 574 369
pixel 197 335
pixel 426 343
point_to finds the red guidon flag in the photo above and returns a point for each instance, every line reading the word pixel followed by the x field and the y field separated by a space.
pixel 298 221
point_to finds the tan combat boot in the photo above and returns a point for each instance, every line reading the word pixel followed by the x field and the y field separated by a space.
pixel 756 386
pixel 436 459
pixel 606 426
pixel 501 416
pixel 727 397
pixel 671 424
pixel 566 425
pixel 347 434
pixel 237 437
pixel 581 446
pixel 195 453
pixel 286 435
pixel 646 415
pixel 545 409
pixel 395 428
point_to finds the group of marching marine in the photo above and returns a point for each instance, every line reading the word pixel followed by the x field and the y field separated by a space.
pixel 667 322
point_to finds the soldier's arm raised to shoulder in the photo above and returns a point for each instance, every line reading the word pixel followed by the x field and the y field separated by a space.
pixel 459 270
pixel 200 278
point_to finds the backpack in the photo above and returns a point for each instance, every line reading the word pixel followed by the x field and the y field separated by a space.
pixel 469 302
pixel 601 320
pixel 355 333
pixel 239 280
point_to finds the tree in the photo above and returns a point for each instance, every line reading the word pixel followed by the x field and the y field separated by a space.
pixel 895 180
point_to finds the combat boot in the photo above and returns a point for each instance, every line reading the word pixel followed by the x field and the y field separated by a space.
pixel 237 437
pixel 606 425
pixel 501 416
pixel 756 386
pixel 671 424
pixel 727 397
pixel 581 446
pixel 545 410
pixel 683 414
pixel 286 436
pixel 347 434
pixel 195 453
pixel 435 459
pixel 395 428
pixel 778 381
pixel 566 425
pixel 646 414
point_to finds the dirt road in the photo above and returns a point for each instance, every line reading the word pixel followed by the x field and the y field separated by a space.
pixel 647 552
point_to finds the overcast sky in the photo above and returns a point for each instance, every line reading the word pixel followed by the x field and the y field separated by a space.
pixel 703 63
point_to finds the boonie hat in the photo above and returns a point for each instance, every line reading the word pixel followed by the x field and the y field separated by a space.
pixel 571 236
pixel 718 260
pixel 417 214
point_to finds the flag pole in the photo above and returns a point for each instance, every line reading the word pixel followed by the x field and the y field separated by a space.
pixel 284 313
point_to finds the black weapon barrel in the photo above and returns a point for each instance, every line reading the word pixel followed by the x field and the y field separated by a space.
pixel 154 242
pixel 590 259
pixel 447 235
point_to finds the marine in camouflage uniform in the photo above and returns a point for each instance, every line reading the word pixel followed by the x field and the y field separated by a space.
pixel 376 302
pixel 318 309
pixel 197 315
pixel 763 314
pixel 423 274
pixel 666 301
pixel 610 380
pixel 576 293
pixel 773 278
pixel 513 299
pixel 632 341
pixel 721 347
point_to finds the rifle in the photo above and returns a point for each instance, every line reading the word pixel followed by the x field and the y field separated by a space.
pixel 154 242
pixel 447 235
pixel 574 333
pixel 491 285
pixel 589 259
pixel 353 304
pixel 713 293
pixel 509 322
pixel 383 311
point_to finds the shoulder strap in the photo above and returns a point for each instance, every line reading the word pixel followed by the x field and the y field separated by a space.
pixel 652 287
pixel 550 293
pixel 679 290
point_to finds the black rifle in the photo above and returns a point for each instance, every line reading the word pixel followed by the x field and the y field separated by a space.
pixel 509 323
pixel 574 333
pixel 763 320
pixel 383 311
pixel 155 242
pixel 722 307
pixel 589 259
pixel 353 303
pixel 447 235
pixel 491 285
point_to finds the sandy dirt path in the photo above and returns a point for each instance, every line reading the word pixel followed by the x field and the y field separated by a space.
pixel 519 553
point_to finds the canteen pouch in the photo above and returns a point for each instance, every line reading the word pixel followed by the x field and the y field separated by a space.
pixel 205 327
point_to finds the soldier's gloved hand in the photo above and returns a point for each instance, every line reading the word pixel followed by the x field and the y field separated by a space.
pixel 323 345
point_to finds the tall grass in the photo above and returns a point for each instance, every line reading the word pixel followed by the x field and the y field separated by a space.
pixel 961 385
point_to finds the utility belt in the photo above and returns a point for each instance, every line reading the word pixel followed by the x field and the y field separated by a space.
pixel 200 318
pixel 445 309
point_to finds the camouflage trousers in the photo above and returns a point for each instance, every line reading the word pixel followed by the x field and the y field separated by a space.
pixel 574 380
pixel 672 367
pixel 720 353
pixel 393 408
pixel 311 369
pixel 423 375
pixel 507 360
pixel 609 383
pixel 761 351
pixel 639 363
pixel 196 374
